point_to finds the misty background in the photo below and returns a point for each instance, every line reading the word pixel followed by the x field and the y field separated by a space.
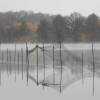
pixel 27 26
pixel 49 21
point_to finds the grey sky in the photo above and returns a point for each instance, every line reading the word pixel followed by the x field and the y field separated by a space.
pixel 64 7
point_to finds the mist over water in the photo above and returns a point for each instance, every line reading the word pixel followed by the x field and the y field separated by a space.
pixel 13 72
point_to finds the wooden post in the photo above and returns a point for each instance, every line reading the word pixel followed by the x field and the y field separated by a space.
pixel 82 70
pixel 7 64
pixel 10 61
pixel 53 67
pixel 2 61
pixel 93 68
pixel 22 62
pixel 37 65
pixel 18 62
pixel 27 62
pixel 2 58
pixel 15 61
pixel 15 54
pixel 61 68
pixel 0 76
pixel 26 57
pixel 0 66
pixel 44 63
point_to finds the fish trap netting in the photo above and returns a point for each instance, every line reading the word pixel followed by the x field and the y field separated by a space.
pixel 57 67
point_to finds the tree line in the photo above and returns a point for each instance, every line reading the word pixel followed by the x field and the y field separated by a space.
pixel 37 27
pixel 73 28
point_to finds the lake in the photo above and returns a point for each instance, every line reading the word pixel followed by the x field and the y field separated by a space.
pixel 73 72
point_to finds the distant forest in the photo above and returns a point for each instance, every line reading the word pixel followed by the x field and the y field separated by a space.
pixel 37 27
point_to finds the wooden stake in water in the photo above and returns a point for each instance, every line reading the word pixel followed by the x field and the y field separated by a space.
pixel 10 61
pixel 15 61
pixel 3 61
pixel 26 64
pixel 82 70
pixel 61 69
pixel 44 63
pixel 93 68
pixel 7 64
pixel 0 67
pixel 27 61
pixel 2 58
pixel 0 76
pixel 15 54
pixel 22 62
pixel 26 55
pixel 37 65
pixel 18 62
pixel 53 67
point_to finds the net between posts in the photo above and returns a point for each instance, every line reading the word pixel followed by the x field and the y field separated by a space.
pixel 57 67
pixel 51 65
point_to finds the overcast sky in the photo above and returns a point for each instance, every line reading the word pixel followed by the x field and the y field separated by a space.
pixel 64 7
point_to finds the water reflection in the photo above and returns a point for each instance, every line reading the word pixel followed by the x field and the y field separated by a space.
pixel 49 65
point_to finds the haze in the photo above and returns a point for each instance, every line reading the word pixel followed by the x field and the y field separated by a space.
pixel 64 7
